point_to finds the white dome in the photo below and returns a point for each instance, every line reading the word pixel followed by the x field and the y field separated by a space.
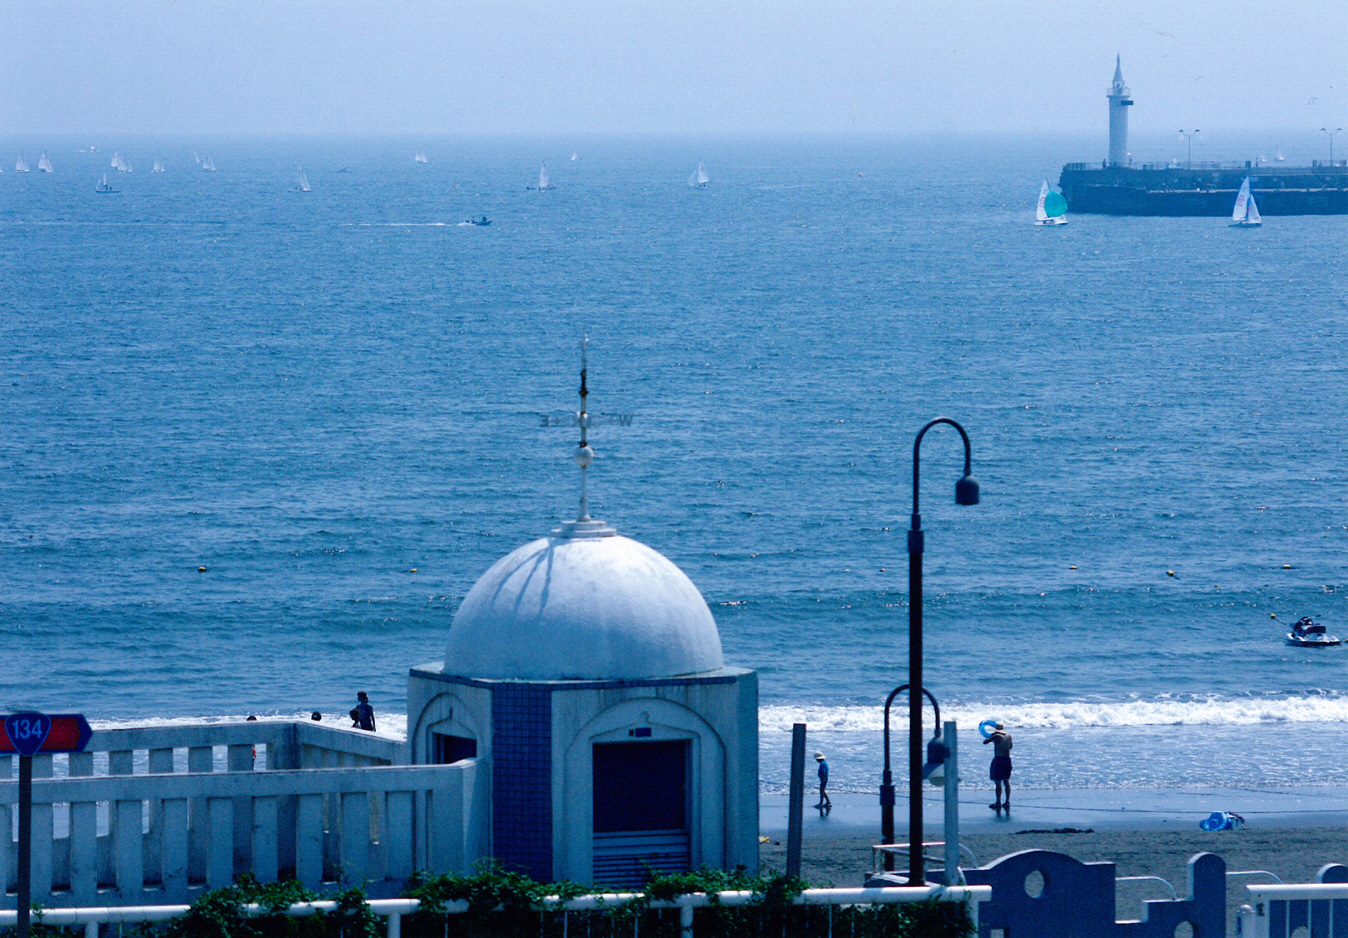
pixel 583 607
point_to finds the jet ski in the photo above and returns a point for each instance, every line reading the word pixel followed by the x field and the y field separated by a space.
pixel 1307 633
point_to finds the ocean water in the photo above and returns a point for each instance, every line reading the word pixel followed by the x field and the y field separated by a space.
pixel 333 401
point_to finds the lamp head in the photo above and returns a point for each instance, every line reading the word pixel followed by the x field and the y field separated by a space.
pixel 966 491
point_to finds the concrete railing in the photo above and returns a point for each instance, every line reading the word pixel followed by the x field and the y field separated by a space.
pixel 163 836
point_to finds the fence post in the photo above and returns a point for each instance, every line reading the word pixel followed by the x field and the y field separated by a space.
pixel 797 799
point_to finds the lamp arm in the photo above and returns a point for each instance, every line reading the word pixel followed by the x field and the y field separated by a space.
pixel 917 444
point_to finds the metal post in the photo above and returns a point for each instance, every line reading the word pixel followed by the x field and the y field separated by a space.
pixel 916 872
pixel 25 871
pixel 952 804
pixel 796 805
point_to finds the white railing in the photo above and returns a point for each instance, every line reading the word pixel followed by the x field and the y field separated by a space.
pixel 167 837
pixel 395 909
pixel 1277 910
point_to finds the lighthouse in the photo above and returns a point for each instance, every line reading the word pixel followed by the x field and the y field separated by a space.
pixel 1120 100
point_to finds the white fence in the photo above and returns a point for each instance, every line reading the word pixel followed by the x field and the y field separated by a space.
pixel 155 815
pixel 1284 910
pixel 395 909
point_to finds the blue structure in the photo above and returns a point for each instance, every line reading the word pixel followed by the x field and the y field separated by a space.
pixel 1077 899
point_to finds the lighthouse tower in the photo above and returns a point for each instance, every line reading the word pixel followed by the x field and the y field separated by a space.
pixel 1120 100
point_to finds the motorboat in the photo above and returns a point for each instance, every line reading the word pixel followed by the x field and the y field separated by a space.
pixel 1307 633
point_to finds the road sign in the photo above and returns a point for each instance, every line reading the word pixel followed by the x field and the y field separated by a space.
pixel 28 734
pixel 31 733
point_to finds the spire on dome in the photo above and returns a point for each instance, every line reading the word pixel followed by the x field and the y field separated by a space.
pixel 584 525
pixel 1118 69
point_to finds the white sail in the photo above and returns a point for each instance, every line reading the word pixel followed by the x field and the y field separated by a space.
pixel 421 156
pixel 303 185
pixel 22 165
pixel 544 182
pixel 124 167
pixel 208 165
pixel 44 164
pixel 158 165
pixel 1242 201
pixel 700 177
pixel 1041 216
pixel 574 156
pixel 1245 214
pixel 116 161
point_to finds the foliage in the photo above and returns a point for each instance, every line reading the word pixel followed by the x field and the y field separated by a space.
pixel 504 904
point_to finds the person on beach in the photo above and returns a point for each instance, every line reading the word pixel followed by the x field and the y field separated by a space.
pixel 1000 773
pixel 362 715
pixel 824 801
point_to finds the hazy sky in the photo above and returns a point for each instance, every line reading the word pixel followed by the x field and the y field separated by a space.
pixel 674 66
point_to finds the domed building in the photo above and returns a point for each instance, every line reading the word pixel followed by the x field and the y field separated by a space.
pixel 584 675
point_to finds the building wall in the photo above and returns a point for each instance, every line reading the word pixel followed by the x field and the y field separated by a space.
pixel 536 742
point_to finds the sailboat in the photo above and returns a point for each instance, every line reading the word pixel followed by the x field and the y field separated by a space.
pixel 208 165
pixel 1280 158
pixel 699 179
pixel 1052 207
pixel 22 165
pixel 544 182
pixel 421 156
pixel 574 156
pixel 104 185
pixel 44 164
pixel 116 160
pixel 158 165
pixel 303 184
pixel 1246 213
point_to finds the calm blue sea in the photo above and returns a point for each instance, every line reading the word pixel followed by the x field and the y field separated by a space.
pixel 314 395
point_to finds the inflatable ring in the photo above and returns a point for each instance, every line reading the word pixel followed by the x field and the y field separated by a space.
pixel 987 728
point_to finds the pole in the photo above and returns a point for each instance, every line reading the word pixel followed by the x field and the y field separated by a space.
pixel 25 870
pixel 952 805
pixel 916 873
pixel 797 800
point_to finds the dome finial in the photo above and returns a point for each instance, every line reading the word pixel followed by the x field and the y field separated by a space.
pixel 584 525
pixel 584 454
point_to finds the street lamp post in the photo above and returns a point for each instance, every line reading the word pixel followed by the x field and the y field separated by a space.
pixel 887 779
pixel 966 493
pixel 1331 133
pixel 1189 137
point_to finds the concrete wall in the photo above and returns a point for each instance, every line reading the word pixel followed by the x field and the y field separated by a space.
pixel 716 712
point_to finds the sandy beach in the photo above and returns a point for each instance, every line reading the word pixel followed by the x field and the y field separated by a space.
pixel 1293 846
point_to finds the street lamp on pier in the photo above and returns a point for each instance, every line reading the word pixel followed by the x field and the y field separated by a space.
pixel 1189 137
pixel 1331 133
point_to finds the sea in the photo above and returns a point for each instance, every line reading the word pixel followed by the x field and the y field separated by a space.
pixel 257 443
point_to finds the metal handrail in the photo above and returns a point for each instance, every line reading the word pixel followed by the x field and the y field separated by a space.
pixel 902 849
pixel 1173 894
pixel 1275 876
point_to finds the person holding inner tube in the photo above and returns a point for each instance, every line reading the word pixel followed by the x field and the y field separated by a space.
pixel 1001 767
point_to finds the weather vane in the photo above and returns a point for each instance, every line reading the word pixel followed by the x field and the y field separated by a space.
pixel 584 454
pixel 584 525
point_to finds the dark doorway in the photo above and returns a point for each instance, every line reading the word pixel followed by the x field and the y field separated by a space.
pixel 449 749
pixel 640 811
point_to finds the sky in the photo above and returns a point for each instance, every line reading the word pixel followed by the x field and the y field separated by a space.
pixel 677 67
